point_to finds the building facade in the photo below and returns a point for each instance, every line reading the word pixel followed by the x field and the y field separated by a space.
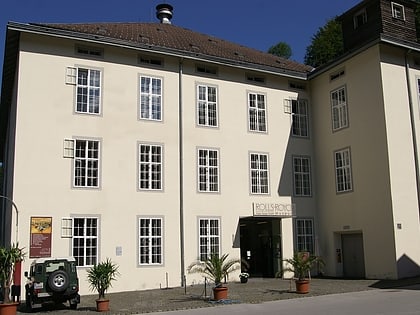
pixel 155 146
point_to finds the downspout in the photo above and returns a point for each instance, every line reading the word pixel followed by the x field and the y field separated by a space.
pixel 181 174
pixel 413 127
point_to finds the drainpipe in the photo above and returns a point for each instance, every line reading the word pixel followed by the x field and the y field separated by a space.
pixel 413 127
pixel 181 174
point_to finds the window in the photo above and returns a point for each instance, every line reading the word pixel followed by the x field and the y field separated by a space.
pixel 89 51
pixel 88 91
pixel 207 105
pixel 150 60
pixel 150 241
pixel 150 98
pixel 208 170
pixel 256 108
pixel 300 118
pixel 360 18
pixel 85 240
pixel 339 108
pixel 297 86
pixel 418 89
pixel 206 69
pixel 209 238
pixel 255 78
pixel 304 235
pixel 86 163
pixel 259 173
pixel 150 168
pixel 302 176
pixel 343 170
pixel 397 11
pixel 337 74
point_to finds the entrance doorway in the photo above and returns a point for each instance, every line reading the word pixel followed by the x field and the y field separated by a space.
pixel 353 255
pixel 261 245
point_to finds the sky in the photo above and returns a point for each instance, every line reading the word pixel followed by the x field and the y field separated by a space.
pixel 257 24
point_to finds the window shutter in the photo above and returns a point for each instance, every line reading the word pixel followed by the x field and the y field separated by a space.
pixel 71 75
pixel 67 227
pixel 287 106
pixel 68 148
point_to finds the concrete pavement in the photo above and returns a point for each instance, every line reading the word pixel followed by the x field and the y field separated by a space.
pixel 396 301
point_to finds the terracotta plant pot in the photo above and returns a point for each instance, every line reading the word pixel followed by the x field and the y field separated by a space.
pixel 220 293
pixel 102 305
pixel 302 286
pixel 9 308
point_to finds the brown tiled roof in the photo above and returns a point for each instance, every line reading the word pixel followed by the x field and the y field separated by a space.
pixel 168 37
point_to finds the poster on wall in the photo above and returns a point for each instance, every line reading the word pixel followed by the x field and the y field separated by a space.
pixel 41 233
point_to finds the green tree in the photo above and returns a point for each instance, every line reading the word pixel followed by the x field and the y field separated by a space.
pixel 281 49
pixel 326 44
pixel 417 12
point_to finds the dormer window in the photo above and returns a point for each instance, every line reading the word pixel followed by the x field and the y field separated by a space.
pixel 397 11
pixel 360 18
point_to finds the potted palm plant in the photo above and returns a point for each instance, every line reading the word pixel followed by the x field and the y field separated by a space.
pixel 100 277
pixel 216 268
pixel 9 257
pixel 301 264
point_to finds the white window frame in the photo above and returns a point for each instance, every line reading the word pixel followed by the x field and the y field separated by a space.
pixel 257 112
pixel 398 11
pixel 343 172
pixel 88 91
pixel 207 106
pixel 302 186
pixel 304 233
pixel 150 241
pixel 209 231
pixel 86 167
pixel 339 108
pixel 86 239
pixel 150 171
pixel 259 175
pixel 150 98
pixel 300 118
pixel 208 170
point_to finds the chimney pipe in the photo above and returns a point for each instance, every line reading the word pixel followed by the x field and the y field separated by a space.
pixel 164 13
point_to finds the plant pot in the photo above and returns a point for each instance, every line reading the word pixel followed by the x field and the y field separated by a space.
pixel 102 305
pixel 9 308
pixel 302 286
pixel 220 293
pixel 244 280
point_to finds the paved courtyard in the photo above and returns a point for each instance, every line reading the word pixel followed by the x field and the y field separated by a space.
pixel 254 292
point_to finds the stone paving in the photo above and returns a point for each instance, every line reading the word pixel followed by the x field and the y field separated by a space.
pixel 196 296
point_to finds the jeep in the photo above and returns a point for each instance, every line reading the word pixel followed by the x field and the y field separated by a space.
pixel 52 280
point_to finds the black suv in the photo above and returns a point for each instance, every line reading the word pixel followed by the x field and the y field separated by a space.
pixel 52 280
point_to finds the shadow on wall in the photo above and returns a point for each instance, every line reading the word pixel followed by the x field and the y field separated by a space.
pixel 408 275
pixel 407 267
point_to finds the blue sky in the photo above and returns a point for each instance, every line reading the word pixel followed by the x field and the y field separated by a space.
pixel 256 24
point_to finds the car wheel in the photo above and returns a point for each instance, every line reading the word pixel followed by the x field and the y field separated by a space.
pixel 58 281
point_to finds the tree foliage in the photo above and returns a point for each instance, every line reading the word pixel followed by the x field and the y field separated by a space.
pixel 326 44
pixel 417 13
pixel 281 49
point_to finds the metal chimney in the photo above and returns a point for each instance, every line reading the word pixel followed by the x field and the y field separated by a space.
pixel 164 13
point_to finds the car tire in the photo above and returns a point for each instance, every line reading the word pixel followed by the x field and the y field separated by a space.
pixel 58 280
pixel 73 305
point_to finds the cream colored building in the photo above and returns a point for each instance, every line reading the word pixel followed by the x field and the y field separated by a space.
pixel 154 145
